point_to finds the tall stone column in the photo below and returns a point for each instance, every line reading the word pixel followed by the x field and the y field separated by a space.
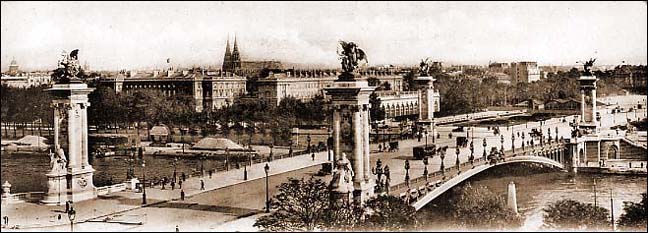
pixel 350 100
pixel 583 117
pixel 75 172
pixel 358 150
pixel 365 139
pixel 336 135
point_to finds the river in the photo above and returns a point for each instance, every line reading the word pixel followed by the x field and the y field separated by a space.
pixel 535 190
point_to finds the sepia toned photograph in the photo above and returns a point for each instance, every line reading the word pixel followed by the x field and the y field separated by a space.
pixel 321 116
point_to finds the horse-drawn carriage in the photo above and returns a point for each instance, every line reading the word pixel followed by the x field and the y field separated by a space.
pixel 393 146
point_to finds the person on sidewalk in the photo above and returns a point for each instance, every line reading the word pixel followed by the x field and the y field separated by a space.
pixel 172 185
pixel 313 156
pixel 180 184
pixel 177 229
pixel 202 184
pixel 184 177
pixel 182 194
pixel 210 173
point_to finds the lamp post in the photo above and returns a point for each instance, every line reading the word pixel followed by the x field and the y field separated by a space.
pixel 175 172
pixel 267 169
pixel 407 178
pixel 442 154
pixel 143 182
pixel 72 216
pixel 472 154
pixel 513 142
pixel 457 163
pixel 425 171
pixel 549 135
pixel 523 148
pixel 556 132
pixel 502 141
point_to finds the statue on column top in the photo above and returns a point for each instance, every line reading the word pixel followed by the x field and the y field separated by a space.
pixel 587 66
pixel 342 176
pixel 68 69
pixel 350 56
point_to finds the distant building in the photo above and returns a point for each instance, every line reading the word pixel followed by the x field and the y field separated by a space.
pixel 524 72
pixel 16 79
pixel 498 67
pixel 306 84
pixel 207 89
pixel 232 62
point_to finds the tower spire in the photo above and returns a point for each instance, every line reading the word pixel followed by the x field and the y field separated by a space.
pixel 227 59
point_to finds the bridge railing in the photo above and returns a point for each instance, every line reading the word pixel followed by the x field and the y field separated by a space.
pixel 448 173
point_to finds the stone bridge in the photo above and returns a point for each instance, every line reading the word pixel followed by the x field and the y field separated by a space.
pixel 422 190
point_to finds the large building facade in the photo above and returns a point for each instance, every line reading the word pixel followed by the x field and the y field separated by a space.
pixel 306 84
pixel 524 72
pixel 207 89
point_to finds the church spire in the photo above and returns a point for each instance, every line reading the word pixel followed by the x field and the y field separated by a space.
pixel 236 56
pixel 227 60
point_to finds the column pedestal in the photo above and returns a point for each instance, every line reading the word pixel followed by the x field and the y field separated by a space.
pixel 350 100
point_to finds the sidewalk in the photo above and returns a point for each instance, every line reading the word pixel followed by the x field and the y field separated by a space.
pixel 32 215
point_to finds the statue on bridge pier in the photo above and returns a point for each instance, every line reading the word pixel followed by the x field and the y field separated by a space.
pixel 350 55
pixel 58 162
pixel 341 185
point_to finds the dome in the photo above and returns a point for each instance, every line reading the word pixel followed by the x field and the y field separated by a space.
pixel 209 143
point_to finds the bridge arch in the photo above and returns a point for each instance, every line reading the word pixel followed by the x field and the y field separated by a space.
pixel 427 198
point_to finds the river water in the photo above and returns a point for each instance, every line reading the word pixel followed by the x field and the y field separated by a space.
pixel 534 191
pixel 26 172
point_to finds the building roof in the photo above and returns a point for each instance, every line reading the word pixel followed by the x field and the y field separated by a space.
pixel 159 130
pixel 210 143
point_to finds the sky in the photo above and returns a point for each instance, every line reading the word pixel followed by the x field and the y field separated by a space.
pixel 138 35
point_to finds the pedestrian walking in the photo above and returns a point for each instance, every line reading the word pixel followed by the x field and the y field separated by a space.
pixel 180 184
pixel 182 194
pixel 313 156
pixel 380 147
pixel 6 220
pixel 202 184
pixel 172 185
pixel 177 229
pixel 59 217
pixel 184 177
pixel 629 164
pixel 641 164
pixel 210 173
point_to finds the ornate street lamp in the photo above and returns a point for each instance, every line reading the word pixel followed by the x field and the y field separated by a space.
pixel 407 178
pixel 72 216
pixel 426 138
pixel 387 178
pixel 143 182
pixel 425 170
pixel 442 154
pixel 472 154
pixel 523 148
pixel 556 131
pixel 548 134
pixel 379 173
pixel 457 163
pixel 175 172
pixel 267 169
pixel 513 142
pixel 502 141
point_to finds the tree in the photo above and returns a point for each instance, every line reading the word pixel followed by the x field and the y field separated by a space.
pixel 635 216
pixel 376 113
pixel 300 206
pixel 386 212
pixel 479 207
pixel 571 215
